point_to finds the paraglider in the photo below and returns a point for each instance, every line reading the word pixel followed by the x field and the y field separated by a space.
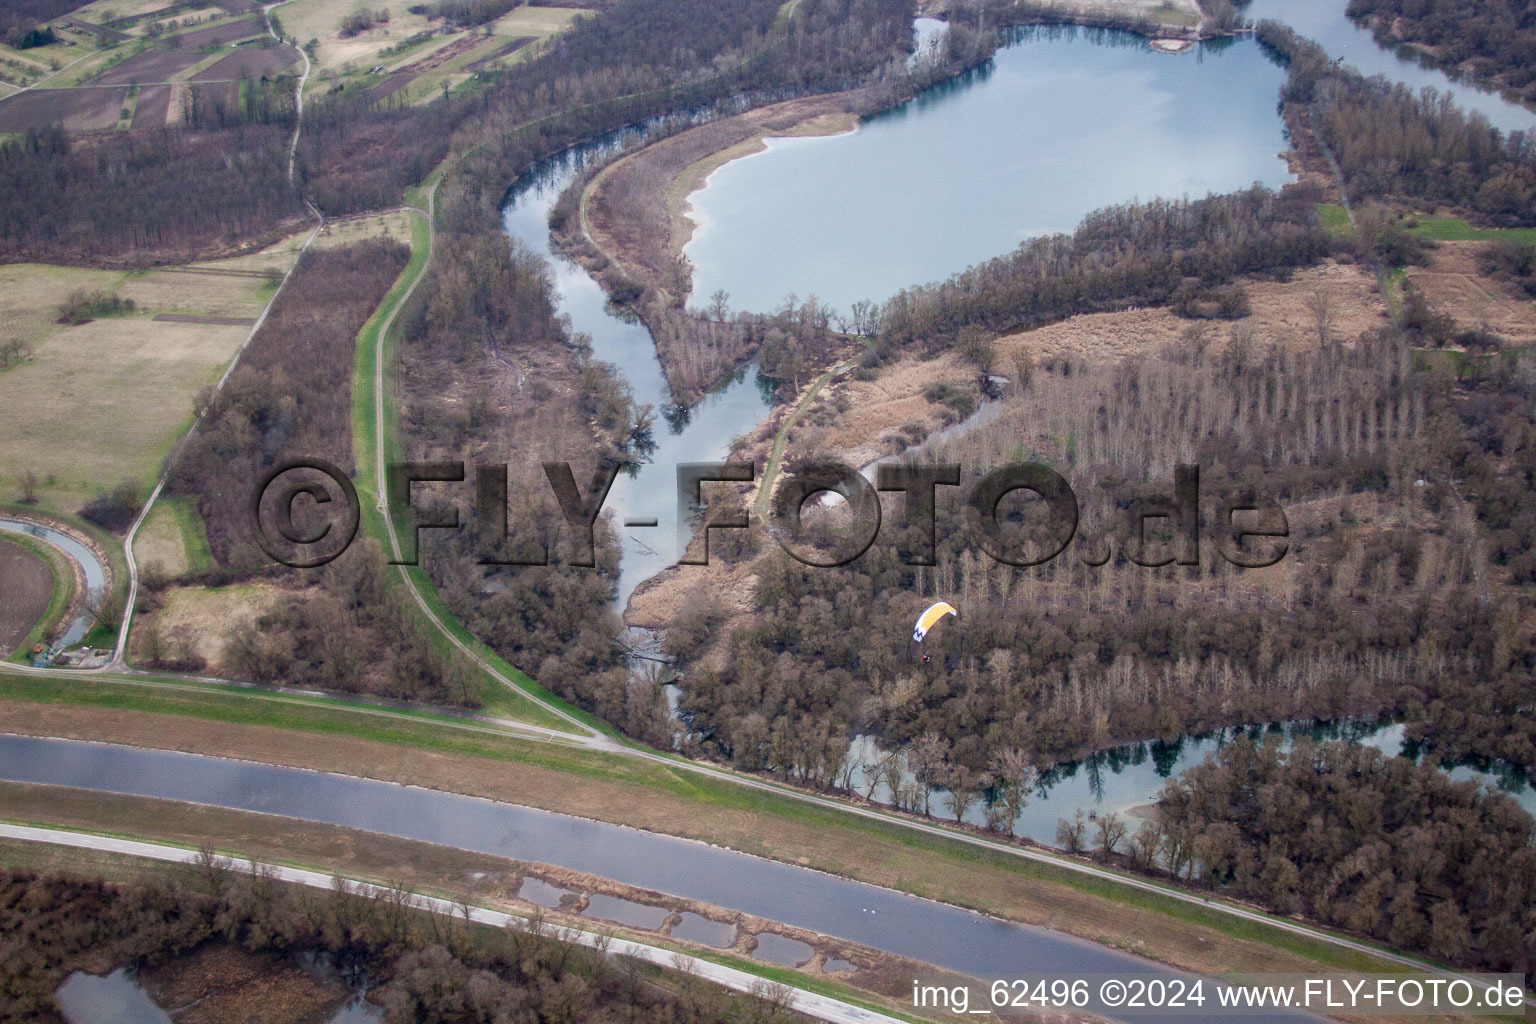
pixel 931 615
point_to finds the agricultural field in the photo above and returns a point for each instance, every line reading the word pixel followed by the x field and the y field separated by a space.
pixel 321 20
pixel 356 229
pixel 86 405
pixel 79 110
pixel 26 595
pixel 416 56
pixel 90 89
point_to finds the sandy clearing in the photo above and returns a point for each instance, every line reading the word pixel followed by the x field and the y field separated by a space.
pixel 1454 284
pixel 1280 315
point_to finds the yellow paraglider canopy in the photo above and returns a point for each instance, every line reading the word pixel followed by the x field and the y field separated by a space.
pixel 934 613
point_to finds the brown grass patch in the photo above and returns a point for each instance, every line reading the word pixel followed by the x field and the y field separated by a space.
pixel 209 616
pixel 104 400
pixel 1280 315
pixel 351 230
pixel 1455 284
pixel 158 546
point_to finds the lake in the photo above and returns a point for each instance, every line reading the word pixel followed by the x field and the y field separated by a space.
pixel 1062 122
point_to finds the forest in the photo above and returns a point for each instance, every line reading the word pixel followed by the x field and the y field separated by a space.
pixel 170 195
pixel 1495 38
pixel 344 628
pixel 423 967
pixel 1122 256
pixel 1393 143
pixel 1376 845
pixel 24 23
pixel 490 374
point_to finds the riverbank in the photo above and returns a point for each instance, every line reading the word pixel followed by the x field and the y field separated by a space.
pixel 1186 933
pixel 431 869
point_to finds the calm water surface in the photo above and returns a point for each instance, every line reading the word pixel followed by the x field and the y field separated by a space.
pixel 1325 23
pixel 1125 778
pixel 1063 122
pixel 701 433
pixel 883 919
pixel 90 565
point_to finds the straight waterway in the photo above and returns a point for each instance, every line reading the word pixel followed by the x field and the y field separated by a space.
pixel 908 926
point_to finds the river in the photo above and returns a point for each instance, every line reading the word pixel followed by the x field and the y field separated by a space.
pixel 1325 23
pixel 1064 121
pixel 1122 779
pixel 882 919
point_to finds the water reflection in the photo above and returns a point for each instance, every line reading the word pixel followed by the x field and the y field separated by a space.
pixel 701 433
pixel 115 998
pixel 1325 23
pixel 1125 778
pixel 1061 122
pixel 118 998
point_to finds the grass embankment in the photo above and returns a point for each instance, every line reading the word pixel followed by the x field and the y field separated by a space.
pixel 1454 229
pixel 496 697
pixel 466 757
pixel 173 540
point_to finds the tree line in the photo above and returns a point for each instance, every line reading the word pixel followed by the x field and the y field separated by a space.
pixel 167 195
pixel 490 373
pixel 423 966
pixel 1391 142
pixel 1495 37
pixel 1376 845
pixel 345 628
pixel 1122 256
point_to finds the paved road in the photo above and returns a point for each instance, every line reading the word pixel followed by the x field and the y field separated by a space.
pixel 812 1004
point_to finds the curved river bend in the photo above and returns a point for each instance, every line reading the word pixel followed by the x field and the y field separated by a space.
pixel 908 926
pixel 90 567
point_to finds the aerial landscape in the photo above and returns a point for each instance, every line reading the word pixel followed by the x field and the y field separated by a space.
pixel 747 511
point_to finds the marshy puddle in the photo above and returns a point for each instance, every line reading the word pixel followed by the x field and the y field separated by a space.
pixel 700 929
pixel 781 950
pixel 636 915
pixel 542 893
pixel 832 965
pixel 115 998
pixel 358 1011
